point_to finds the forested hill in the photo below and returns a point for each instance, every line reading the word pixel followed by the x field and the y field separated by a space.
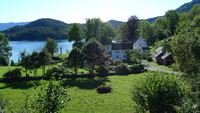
pixel 115 23
pixel 188 6
pixel 38 30
pixel 182 9
pixel 4 26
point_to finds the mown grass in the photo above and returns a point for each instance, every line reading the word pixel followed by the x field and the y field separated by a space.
pixel 82 91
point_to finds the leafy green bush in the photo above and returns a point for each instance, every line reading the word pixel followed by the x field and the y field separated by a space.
pixel 52 98
pixel 104 89
pixel 56 72
pixel 13 74
pixel 3 104
pixel 159 93
pixel 122 69
pixel 117 62
pixel 149 59
pixel 192 102
pixel 102 70
pixel 137 68
pixel 4 61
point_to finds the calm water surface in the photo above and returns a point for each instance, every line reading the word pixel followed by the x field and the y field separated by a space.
pixel 30 46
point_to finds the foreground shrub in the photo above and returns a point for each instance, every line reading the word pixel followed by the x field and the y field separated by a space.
pixel 137 68
pixel 102 70
pixel 158 93
pixel 104 89
pixel 3 104
pixel 117 62
pixel 122 69
pixel 56 72
pixel 192 102
pixel 51 98
pixel 13 74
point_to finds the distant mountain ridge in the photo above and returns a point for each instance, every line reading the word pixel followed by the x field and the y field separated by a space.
pixel 182 9
pixel 38 30
pixel 115 23
pixel 4 26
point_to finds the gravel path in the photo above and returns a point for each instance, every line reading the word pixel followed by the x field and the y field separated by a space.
pixel 157 68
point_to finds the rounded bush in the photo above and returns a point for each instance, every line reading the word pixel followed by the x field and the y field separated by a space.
pixel 149 59
pixel 56 72
pixel 102 70
pixel 117 62
pixel 159 93
pixel 4 61
pixel 122 69
pixel 137 68
pixel 13 74
pixel 104 89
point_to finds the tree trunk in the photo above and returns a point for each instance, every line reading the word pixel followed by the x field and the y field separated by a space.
pixel 26 72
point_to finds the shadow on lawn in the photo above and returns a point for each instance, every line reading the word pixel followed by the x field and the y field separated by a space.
pixel 21 85
pixel 86 83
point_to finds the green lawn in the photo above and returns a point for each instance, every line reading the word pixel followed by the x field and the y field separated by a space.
pixel 84 98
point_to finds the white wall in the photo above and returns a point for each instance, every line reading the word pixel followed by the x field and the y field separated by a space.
pixel 118 54
pixel 108 48
pixel 139 44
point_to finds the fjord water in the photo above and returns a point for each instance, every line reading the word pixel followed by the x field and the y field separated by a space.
pixel 30 46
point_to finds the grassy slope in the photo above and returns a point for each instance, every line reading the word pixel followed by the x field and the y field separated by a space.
pixel 84 97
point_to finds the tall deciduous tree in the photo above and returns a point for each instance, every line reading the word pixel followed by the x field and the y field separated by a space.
pixel 102 32
pixel 172 18
pixel 74 34
pixel 186 44
pixel 51 46
pixel 75 59
pixel 5 49
pixel 132 24
pixel 122 33
pixel 147 32
pixel 93 52
pixel 44 58
pixel 25 61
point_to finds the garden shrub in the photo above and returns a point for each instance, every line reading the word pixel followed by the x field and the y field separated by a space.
pixel 104 89
pixel 3 104
pixel 137 68
pixel 117 62
pixel 149 59
pixel 159 93
pixel 102 70
pixel 4 61
pixel 122 69
pixel 51 98
pixel 13 74
pixel 56 72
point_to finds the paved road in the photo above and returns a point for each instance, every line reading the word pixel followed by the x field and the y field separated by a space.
pixel 157 68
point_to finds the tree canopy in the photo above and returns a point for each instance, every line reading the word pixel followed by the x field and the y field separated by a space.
pixel 186 44
pixel 93 53
pixel 51 46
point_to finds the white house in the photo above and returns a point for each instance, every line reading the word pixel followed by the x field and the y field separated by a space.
pixel 117 50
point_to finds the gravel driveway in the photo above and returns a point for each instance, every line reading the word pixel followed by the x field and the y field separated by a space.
pixel 157 68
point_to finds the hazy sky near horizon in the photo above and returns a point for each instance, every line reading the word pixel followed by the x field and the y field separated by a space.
pixel 76 11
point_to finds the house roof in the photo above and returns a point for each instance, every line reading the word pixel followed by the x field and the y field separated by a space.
pixel 158 54
pixel 122 46
pixel 159 49
pixel 166 55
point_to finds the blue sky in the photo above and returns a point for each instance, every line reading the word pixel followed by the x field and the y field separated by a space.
pixel 76 11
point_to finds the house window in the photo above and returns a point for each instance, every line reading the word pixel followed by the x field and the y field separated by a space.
pixel 122 51
pixel 124 56
pixel 117 56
